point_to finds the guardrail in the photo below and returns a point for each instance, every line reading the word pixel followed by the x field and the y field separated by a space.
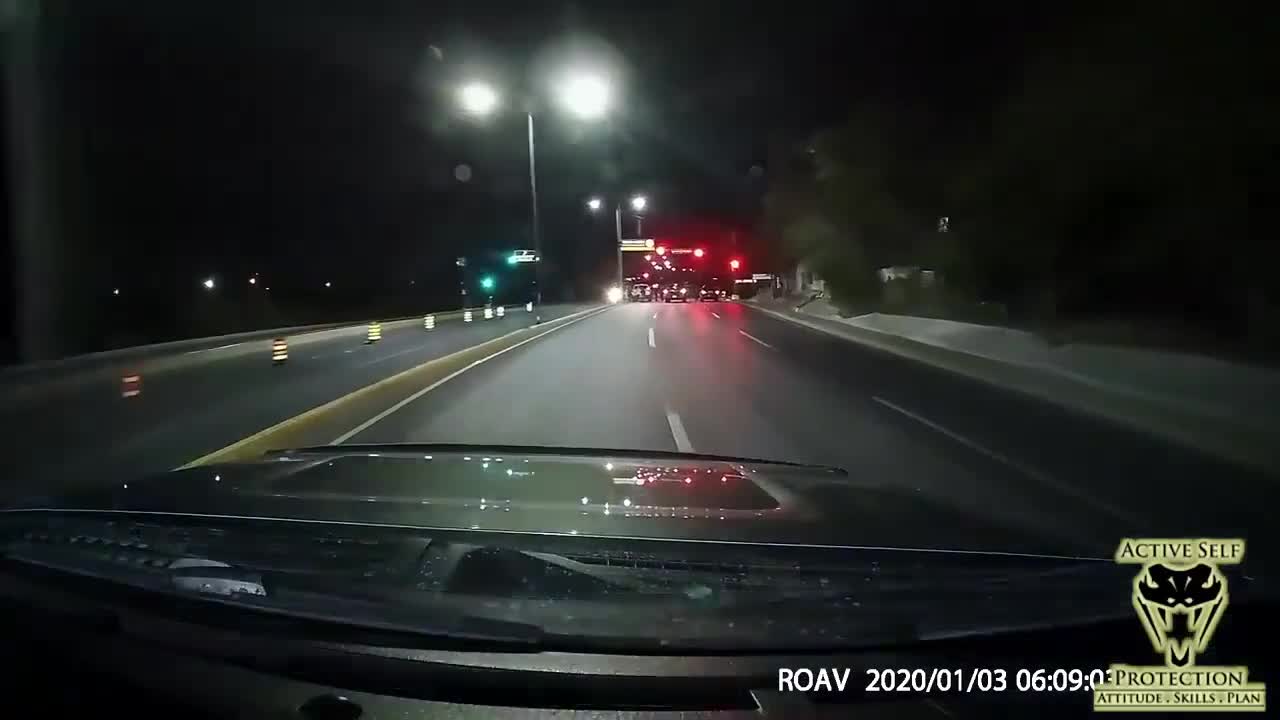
pixel 38 380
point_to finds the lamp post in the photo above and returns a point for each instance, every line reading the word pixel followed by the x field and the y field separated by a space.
pixel 584 95
pixel 638 203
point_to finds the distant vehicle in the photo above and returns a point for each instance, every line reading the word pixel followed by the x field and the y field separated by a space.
pixel 711 294
pixel 678 292
pixel 641 292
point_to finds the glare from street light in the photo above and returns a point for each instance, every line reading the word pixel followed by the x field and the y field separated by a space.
pixel 253 281
pixel 638 202
pixel 594 204
pixel 208 283
pixel 477 98
pixel 586 96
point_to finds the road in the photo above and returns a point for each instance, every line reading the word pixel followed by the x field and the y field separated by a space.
pixel 725 379
pixel 714 378
pixel 77 429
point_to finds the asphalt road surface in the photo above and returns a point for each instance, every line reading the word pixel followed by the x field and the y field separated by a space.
pixel 75 429
pixel 722 378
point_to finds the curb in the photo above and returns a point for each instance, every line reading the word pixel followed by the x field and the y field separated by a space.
pixel 317 425
pixel 1244 445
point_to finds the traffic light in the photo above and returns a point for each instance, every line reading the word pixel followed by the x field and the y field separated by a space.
pixel 660 250
pixel 697 252
pixel 734 264
pixel 511 260
pixel 486 282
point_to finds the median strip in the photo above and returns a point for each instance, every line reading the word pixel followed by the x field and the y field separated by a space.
pixel 379 399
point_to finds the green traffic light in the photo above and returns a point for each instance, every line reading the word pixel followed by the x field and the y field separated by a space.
pixel 486 282
pixel 511 260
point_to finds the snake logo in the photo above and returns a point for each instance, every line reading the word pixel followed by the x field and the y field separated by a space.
pixel 1180 607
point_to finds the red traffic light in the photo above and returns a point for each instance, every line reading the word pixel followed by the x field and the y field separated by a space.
pixel 734 264
pixel 660 250
pixel 697 252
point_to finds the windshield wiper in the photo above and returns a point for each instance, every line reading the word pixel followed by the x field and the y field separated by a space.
pixel 220 588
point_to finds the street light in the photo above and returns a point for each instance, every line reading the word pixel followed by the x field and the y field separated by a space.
pixel 253 281
pixel 586 96
pixel 208 283
pixel 477 98
pixel 638 202
pixel 594 204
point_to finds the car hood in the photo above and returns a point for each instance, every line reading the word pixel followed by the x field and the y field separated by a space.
pixel 620 494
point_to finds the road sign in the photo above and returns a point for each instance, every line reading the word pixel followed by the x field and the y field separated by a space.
pixel 523 256
pixel 637 245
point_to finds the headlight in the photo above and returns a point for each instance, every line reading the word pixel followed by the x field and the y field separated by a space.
pixel 614 295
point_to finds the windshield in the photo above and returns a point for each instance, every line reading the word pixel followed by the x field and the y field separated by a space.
pixel 806 292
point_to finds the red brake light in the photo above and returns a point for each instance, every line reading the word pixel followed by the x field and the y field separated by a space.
pixel 734 264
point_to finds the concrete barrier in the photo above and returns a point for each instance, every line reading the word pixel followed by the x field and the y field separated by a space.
pixel 338 419
pixel 1224 409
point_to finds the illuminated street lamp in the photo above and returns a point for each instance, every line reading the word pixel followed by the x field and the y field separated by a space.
pixel 586 96
pixel 638 203
pixel 477 98
pixel 208 283
pixel 583 94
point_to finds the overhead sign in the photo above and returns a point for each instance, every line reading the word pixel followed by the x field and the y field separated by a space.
pixel 523 256
pixel 761 276
pixel 637 245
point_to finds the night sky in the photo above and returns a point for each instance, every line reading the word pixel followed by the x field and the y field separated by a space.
pixel 312 141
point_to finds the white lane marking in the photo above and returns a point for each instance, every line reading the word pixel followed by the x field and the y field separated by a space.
pixel 382 415
pixel 220 347
pixel 655 316
pixel 715 315
pixel 344 352
pixel 392 355
pixel 749 336
pixel 313 357
pixel 652 344
pixel 678 433
pixel 1026 470
pixel 553 533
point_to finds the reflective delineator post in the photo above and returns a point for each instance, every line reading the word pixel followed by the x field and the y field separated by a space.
pixel 502 311
pixel 279 351
pixel 429 322
pixel 528 307
pixel 466 316
pixel 375 333
pixel 131 385
pixel 488 313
